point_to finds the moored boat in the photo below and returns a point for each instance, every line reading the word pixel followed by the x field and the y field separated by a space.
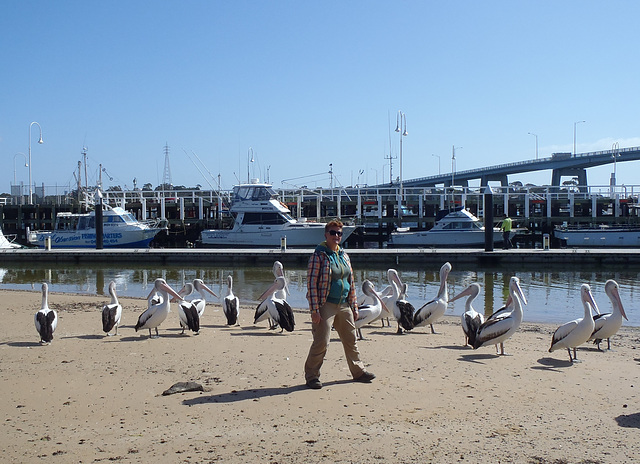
pixel 120 230
pixel 598 236
pixel 457 228
pixel 261 220
pixel 7 242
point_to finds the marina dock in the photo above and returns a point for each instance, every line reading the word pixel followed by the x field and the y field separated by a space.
pixel 385 257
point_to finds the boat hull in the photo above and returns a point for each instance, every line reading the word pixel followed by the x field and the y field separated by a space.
pixel 443 238
pixel 87 239
pixel 296 235
pixel 599 237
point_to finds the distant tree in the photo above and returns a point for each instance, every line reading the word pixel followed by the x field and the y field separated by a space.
pixel 147 186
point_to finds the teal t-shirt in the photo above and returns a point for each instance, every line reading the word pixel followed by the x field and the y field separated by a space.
pixel 340 272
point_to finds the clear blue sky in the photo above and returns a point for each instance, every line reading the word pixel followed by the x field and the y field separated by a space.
pixel 306 84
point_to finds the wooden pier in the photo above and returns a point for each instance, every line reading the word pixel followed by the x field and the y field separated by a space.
pixel 385 258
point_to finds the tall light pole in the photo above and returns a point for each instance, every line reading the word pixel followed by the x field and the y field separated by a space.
pixel 250 159
pixel 29 162
pixel 575 124
pixel 536 136
pixel 614 148
pixel 26 165
pixel 438 156
pixel 401 128
pixel 453 164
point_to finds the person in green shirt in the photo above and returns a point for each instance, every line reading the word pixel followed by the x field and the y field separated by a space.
pixel 506 232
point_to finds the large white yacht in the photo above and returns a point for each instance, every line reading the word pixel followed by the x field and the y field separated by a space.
pixel 458 228
pixel 120 230
pixel 261 220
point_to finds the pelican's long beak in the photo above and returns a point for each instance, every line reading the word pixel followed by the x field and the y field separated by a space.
pixel 465 292
pixel 616 295
pixel 204 286
pixel 592 302
pixel 274 286
pixel 171 291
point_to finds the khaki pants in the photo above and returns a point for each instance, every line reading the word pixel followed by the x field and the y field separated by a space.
pixel 342 318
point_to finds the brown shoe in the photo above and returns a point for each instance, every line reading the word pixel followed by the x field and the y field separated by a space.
pixel 367 377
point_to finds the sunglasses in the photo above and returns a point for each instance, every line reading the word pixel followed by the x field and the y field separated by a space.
pixel 335 232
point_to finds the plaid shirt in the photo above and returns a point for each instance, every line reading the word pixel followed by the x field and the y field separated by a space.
pixel 319 280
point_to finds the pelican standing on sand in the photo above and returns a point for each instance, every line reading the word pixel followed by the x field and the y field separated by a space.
pixel 433 310
pixel 495 331
pixel 200 303
pixel 46 319
pixel 606 325
pixel 231 304
pixel 574 333
pixel 392 276
pixel 471 319
pixel 156 313
pixel 368 312
pixel 278 309
pixel 112 312
pixel 400 309
pixel 262 312
pixel 187 311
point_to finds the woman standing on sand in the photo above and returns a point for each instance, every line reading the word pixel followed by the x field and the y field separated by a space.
pixel 332 298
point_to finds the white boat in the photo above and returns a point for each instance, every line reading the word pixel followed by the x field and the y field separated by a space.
pixel 120 230
pixel 261 220
pixel 599 236
pixel 458 228
pixel 6 243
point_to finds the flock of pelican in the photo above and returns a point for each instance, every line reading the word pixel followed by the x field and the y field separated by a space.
pixel 273 305
pixel 390 302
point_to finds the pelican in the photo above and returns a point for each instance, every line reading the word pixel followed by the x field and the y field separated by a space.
pixel 606 325
pixel 400 308
pixel 45 319
pixel 368 313
pixel 155 314
pixel 471 319
pixel 575 333
pixel 187 311
pixel 434 309
pixel 231 304
pixel 112 312
pixel 277 308
pixel 262 313
pixel 496 330
pixel 278 271
pixel 392 276
pixel 201 288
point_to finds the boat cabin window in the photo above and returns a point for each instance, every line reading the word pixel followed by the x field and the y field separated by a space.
pixel 263 218
pixel 462 226
pixel 254 193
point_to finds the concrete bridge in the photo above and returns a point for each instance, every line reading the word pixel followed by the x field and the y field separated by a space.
pixel 561 165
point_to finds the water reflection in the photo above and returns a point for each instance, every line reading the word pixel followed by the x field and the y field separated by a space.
pixel 554 296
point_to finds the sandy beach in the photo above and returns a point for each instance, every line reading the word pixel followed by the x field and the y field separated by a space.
pixel 89 398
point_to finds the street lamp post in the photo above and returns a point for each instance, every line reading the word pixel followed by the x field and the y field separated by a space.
pixel 536 136
pixel 453 164
pixel 26 165
pixel 401 128
pixel 614 148
pixel 575 124
pixel 29 162
pixel 438 156
pixel 250 160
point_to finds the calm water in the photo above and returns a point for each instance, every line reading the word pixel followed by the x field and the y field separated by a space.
pixel 553 296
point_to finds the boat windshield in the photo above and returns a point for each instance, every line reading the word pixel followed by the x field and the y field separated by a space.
pixel 462 226
pixel 253 192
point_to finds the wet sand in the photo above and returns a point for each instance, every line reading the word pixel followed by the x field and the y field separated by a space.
pixel 90 398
